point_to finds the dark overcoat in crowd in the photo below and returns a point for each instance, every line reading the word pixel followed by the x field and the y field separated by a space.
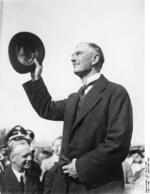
pixel 10 185
pixel 98 134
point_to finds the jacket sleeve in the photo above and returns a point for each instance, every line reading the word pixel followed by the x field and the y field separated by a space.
pixel 42 101
pixel 116 144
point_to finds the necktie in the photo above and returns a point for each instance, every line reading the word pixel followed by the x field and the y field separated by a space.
pixel 82 90
pixel 21 183
pixel 82 95
pixel 84 87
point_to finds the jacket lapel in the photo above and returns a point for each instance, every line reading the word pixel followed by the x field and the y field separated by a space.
pixel 71 111
pixel 92 98
pixel 12 181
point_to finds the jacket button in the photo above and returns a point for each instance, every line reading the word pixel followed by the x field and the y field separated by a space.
pixel 66 134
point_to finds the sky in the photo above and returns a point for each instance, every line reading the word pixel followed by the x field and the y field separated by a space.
pixel 117 26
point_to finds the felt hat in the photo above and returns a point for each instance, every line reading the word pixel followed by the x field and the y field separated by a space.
pixel 23 48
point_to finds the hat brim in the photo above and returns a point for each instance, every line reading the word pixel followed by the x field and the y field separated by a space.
pixel 30 43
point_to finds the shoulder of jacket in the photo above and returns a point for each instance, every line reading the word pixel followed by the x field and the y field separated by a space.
pixel 116 87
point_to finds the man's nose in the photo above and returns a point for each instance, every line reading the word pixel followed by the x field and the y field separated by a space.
pixel 73 58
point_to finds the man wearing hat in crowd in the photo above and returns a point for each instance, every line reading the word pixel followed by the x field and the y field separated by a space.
pixel 16 179
pixel 18 133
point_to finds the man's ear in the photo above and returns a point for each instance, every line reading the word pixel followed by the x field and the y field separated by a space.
pixel 95 59
pixel 11 157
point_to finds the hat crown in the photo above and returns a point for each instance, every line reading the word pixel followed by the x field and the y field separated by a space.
pixel 17 132
pixel 22 49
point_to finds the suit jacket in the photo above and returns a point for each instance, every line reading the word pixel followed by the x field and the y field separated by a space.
pixel 99 136
pixel 48 179
pixel 10 185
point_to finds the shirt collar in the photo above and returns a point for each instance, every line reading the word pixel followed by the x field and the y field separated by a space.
pixel 18 174
pixel 91 78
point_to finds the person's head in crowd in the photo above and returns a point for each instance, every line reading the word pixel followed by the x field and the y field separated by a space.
pixel 137 154
pixel 30 135
pixel 137 157
pixel 18 133
pixel 20 155
pixel 56 145
pixel 42 155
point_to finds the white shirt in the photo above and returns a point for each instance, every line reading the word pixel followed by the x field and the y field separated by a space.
pixel 18 174
pixel 89 80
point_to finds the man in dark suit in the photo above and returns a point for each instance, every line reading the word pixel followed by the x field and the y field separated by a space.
pixel 16 179
pixel 97 126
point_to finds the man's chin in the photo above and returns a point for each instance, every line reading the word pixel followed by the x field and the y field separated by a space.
pixel 77 73
pixel 81 74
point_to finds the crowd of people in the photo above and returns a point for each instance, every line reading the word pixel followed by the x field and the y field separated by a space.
pixel 19 156
pixel 23 166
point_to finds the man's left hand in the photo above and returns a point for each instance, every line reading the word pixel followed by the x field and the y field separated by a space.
pixel 70 169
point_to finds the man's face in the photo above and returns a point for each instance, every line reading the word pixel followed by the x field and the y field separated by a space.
pixel 21 157
pixel 82 59
pixel 137 158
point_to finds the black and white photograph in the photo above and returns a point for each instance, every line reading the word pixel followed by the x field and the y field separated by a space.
pixel 72 97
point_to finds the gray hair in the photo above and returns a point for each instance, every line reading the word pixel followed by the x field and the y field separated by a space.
pixel 99 52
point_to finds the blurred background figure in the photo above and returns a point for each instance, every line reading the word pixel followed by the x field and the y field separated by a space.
pixel 43 154
pixel 133 168
pixel 4 157
pixel 49 162
pixel 35 167
pixel 128 177
pixel 139 187
pixel 137 165
pixel 50 165
pixel 30 136
pixel 3 149
pixel 1 162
